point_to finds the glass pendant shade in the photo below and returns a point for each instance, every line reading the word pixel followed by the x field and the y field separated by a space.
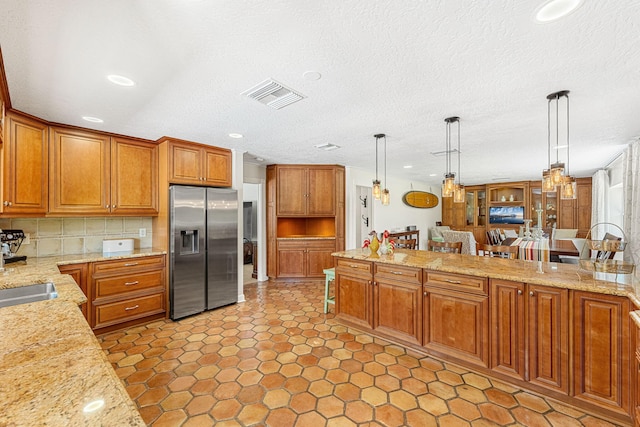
pixel 385 197
pixel 376 189
pixel 448 185
pixel 568 188
pixel 547 183
pixel 459 194
pixel 557 173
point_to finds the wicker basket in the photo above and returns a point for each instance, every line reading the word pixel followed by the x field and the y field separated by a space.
pixel 607 266
pixel 606 245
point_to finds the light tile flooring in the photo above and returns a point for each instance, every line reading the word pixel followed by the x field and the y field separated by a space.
pixel 277 360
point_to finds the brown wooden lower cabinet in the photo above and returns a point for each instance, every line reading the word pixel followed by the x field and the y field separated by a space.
pixel 397 303
pixel 79 273
pixel 530 333
pixel 601 350
pixel 571 345
pixel 304 257
pixel 457 324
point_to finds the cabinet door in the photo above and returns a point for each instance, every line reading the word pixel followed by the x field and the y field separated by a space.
pixel 317 259
pixel 507 327
pixel 134 177
pixel 548 323
pixel 292 191
pixel 79 172
pixel 291 262
pixel 583 201
pixel 601 350
pixel 398 310
pixel 321 194
pixel 26 160
pixel 217 167
pixel 457 325
pixel 184 164
pixel 354 300
pixel 79 274
pixel 566 214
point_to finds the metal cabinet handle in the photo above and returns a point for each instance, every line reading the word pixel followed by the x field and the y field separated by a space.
pixel 130 264
pixel 455 282
pixel 353 265
pixel 131 308
pixel 369 282
pixel 397 272
pixel 7 203
pixel 426 293
pixel 375 283
pixel 131 283
pixel 106 206
pixel 519 292
pixel 531 293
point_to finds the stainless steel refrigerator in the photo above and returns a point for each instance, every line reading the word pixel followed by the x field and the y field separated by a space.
pixel 204 249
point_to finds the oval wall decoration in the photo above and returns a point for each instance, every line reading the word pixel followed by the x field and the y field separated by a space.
pixel 420 199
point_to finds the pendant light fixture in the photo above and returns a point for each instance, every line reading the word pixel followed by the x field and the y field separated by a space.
pixel 556 175
pixel 385 193
pixel 376 182
pixel 449 183
pixel 458 189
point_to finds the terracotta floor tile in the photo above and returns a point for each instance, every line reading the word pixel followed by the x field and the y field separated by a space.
pixel 278 360
pixel 389 415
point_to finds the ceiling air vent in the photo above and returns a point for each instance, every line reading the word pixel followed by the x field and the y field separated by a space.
pixel 444 152
pixel 273 94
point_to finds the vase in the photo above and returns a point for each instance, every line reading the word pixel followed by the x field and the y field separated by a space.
pixel 384 246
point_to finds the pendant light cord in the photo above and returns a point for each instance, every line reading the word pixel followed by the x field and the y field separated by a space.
pixel 459 171
pixel 377 158
pixel 385 162
pixel 447 149
pixel 557 126
pixel 549 134
pixel 567 96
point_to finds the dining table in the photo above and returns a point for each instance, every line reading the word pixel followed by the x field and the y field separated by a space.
pixel 542 250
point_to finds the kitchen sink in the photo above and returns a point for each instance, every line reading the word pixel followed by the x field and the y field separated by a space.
pixel 26 294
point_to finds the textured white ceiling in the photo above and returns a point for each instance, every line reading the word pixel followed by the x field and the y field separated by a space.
pixel 397 67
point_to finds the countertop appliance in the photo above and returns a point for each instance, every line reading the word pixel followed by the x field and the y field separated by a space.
pixel 10 241
pixel 204 249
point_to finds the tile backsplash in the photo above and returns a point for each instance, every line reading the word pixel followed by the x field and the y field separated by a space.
pixel 67 236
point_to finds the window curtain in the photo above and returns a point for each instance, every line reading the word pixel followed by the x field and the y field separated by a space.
pixel 631 191
pixel 599 197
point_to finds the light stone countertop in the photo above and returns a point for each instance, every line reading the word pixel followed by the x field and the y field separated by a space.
pixel 51 364
pixel 568 276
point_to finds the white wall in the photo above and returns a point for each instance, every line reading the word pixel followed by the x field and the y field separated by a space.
pixel 396 215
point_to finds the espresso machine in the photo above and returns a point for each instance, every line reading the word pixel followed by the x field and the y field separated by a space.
pixel 10 241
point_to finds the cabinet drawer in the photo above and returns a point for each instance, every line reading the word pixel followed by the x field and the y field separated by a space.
pixel 128 264
pixel 459 282
pixel 124 284
pixel 118 312
pixel 347 266
pixel 394 272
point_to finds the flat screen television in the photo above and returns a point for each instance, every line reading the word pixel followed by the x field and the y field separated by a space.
pixel 506 215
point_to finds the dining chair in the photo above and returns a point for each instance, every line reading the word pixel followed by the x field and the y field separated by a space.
pixel 449 247
pixel 500 251
pixel 406 243
pixel 563 233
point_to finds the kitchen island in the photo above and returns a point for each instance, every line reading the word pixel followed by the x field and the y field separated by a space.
pixel 551 328
pixel 52 368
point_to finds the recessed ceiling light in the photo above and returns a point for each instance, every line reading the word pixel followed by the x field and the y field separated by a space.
pixel 236 135
pixel 120 80
pixel 560 147
pixel 408 166
pixel 556 9
pixel 92 119
pixel 259 159
pixel 312 75
pixel 433 174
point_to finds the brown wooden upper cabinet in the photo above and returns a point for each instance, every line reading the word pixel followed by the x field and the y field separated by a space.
pixel 25 177
pixel 306 190
pixel 197 164
pixel 94 174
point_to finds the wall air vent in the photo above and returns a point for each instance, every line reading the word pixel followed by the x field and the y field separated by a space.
pixel 273 94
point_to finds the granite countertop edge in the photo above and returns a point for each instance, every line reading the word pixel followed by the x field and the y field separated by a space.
pixel 567 276
pixel 35 335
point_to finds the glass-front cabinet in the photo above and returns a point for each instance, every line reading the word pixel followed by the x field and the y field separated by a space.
pixel 548 203
pixel 476 211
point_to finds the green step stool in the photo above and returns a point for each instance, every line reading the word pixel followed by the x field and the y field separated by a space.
pixel 329 275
